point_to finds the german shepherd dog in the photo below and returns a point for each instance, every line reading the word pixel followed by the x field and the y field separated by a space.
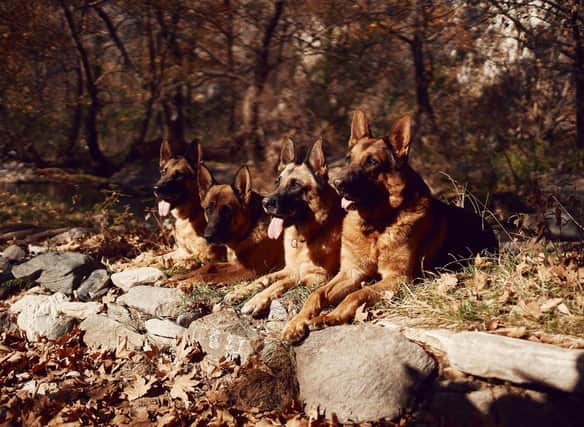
pixel 393 231
pixel 306 209
pixel 235 218
pixel 178 194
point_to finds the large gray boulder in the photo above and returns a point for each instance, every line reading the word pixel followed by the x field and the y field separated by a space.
pixel 40 316
pixel 360 372
pixel 61 272
pixel 155 301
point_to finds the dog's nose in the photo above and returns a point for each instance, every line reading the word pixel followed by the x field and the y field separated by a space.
pixel 268 203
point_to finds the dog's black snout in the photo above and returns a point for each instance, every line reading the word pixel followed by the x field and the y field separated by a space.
pixel 268 203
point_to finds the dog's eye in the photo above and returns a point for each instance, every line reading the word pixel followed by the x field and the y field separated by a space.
pixel 278 181
pixel 371 161
pixel 162 171
pixel 295 184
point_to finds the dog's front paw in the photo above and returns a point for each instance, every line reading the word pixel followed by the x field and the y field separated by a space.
pixel 235 297
pixel 295 331
pixel 258 306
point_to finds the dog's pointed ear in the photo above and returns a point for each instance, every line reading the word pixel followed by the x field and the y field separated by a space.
pixel 194 153
pixel 165 152
pixel 399 137
pixel 242 183
pixel 288 154
pixel 316 158
pixel 359 127
pixel 205 180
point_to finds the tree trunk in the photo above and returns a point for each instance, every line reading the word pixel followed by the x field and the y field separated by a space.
pixel 578 76
pixel 77 117
pixel 104 167
pixel 230 40
pixel 422 92
pixel 261 73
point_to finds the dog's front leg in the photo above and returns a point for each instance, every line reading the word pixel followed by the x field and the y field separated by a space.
pixel 342 284
pixel 241 292
pixel 368 296
pixel 260 303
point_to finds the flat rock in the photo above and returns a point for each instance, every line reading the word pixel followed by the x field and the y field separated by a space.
pixel 14 253
pixel 156 301
pixel 80 310
pixel 94 286
pixel 360 372
pixel 39 316
pixel 164 328
pixel 103 332
pixel 136 276
pixel 225 334
pixel 61 272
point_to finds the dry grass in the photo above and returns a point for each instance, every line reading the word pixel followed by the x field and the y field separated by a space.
pixel 531 288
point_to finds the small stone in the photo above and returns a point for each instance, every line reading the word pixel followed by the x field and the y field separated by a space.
pixel 61 272
pixel 136 276
pixel 94 286
pixel 39 316
pixel 277 311
pixel 360 373
pixel 225 334
pixel 14 253
pixel 37 250
pixel 186 319
pixel 164 328
pixel 156 301
pixel 103 332
pixel 118 313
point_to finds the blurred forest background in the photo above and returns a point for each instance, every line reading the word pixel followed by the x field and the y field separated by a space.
pixel 497 86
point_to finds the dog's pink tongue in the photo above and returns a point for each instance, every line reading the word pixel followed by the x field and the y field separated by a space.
pixel 275 228
pixel 163 208
pixel 345 203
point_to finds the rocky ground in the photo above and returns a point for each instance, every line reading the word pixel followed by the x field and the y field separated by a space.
pixel 88 343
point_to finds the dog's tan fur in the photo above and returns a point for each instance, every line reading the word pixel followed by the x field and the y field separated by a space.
pixel 190 223
pixel 244 231
pixel 391 239
pixel 312 244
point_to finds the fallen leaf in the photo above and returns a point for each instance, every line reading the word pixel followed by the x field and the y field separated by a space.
pixel 361 314
pixel 182 385
pixel 491 325
pixel 446 282
pixel 528 309
pixel 138 388
pixel 563 308
pixel 480 280
pixel 513 332
pixel 550 304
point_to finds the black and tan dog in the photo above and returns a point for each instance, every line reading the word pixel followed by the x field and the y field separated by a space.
pixel 235 218
pixel 306 209
pixel 393 231
pixel 178 194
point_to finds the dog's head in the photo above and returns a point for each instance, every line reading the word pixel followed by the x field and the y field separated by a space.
pixel 372 162
pixel 177 181
pixel 298 185
pixel 226 206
